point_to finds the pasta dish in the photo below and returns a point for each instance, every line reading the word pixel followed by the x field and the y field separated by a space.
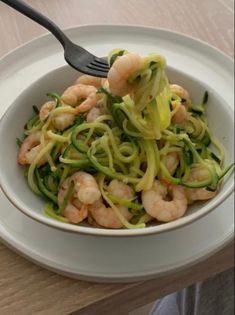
pixel 123 151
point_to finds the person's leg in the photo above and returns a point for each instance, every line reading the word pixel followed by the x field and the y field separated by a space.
pixel 210 297
pixel 166 306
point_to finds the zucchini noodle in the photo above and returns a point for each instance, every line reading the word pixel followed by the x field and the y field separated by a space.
pixel 219 147
pixel 115 209
pixel 63 109
pixel 152 168
pixel 33 165
pixel 34 129
pixel 136 140
pixel 56 137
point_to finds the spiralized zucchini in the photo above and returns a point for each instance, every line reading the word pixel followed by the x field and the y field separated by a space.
pixel 128 142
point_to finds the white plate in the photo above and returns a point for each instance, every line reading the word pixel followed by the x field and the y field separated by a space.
pixel 116 259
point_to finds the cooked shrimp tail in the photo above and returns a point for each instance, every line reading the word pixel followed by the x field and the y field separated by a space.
pixel 74 202
pixel 81 92
pixel 156 205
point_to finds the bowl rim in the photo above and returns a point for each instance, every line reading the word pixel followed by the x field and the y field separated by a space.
pixel 165 227
pixel 116 25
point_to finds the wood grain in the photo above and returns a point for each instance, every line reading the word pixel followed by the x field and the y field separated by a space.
pixel 210 20
pixel 26 288
pixel 145 292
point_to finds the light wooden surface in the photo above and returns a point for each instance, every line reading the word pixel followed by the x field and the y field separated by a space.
pixel 28 289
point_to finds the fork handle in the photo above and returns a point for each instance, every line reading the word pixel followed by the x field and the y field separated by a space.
pixel 39 18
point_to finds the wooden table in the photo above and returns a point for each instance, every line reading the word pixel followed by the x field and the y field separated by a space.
pixel 28 289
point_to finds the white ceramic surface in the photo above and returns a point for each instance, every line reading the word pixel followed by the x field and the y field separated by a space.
pixel 13 182
pixel 98 258
pixel 112 259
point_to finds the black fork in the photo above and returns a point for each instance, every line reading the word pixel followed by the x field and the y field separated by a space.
pixel 76 56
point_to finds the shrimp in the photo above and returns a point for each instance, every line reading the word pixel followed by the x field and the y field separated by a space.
pixel 79 92
pixel 29 149
pixel 182 93
pixel 86 191
pixel 86 188
pixel 96 111
pixel 171 161
pixel 45 109
pixel 74 211
pixel 163 210
pixel 74 214
pixel 121 70
pixel 181 115
pixel 63 120
pixel 199 173
pixel 120 189
pixel 60 121
pixel 194 194
pixel 106 216
pixel 91 80
pixel 93 114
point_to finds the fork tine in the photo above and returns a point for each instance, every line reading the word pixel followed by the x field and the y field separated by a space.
pixel 96 73
pixel 100 66
pixel 101 61
pixel 98 63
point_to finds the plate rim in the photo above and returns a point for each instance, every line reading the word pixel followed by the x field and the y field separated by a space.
pixel 118 232
pixel 100 278
pixel 33 257
pixel 116 25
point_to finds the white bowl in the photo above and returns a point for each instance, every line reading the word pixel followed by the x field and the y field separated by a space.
pixel 14 185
